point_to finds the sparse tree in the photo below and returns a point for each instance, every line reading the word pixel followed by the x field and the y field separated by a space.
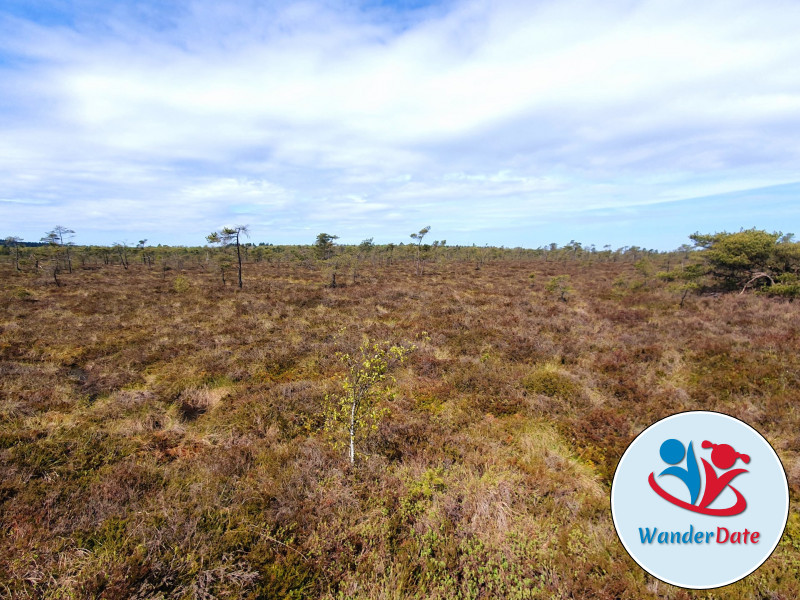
pixel 481 255
pixel 574 248
pixel 436 244
pixel 56 237
pixel 362 252
pixel 323 247
pixel 13 241
pixel 418 237
pixel 122 251
pixel 324 250
pixel 646 269
pixel 684 250
pixel 54 270
pixel 147 258
pixel 53 265
pixel 228 236
pixel 366 246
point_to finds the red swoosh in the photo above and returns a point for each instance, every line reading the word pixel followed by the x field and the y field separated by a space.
pixel 737 508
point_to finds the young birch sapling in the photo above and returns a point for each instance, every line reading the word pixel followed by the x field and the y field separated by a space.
pixel 366 385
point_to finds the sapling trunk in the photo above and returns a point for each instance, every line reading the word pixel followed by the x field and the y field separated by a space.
pixel 353 432
pixel 683 298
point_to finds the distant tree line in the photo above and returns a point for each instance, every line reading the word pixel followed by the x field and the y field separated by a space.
pixel 12 241
pixel 749 259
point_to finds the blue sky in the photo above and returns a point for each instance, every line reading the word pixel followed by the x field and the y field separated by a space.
pixel 502 122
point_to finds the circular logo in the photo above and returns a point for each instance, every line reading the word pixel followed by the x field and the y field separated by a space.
pixel 699 499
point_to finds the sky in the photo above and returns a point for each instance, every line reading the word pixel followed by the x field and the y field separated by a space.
pixel 495 122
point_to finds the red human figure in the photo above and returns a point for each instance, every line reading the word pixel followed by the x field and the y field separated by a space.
pixel 724 457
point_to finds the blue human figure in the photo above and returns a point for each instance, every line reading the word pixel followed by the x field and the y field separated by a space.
pixel 672 452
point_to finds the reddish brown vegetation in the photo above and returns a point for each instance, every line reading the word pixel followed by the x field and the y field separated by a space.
pixel 163 438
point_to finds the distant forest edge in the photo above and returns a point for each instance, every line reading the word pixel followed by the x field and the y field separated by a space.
pixel 751 259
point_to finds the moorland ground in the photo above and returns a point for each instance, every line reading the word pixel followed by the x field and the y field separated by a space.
pixel 163 435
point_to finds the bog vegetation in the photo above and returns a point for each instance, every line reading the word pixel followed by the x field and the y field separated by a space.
pixel 371 421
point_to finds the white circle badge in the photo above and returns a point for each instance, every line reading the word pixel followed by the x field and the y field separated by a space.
pixel 699 500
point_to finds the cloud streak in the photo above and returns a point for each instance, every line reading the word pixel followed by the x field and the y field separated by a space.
pixel 369 120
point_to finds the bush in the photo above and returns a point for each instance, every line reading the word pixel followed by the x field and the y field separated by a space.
pixel 181 285
pixel 787 285
pixel 559 285
pixel 549 382
pixel 737 260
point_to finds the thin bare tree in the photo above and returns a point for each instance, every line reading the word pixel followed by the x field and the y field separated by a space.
pixel 229 236
pixel 13 241
pixel 56 237
pixel 418 237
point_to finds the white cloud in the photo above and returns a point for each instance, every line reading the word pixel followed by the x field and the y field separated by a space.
pixel 323 111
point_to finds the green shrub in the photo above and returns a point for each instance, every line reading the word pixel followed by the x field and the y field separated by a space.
pixel 552 383
pixel 180 285
pixel 559 286
pixel 22 293
pixel 786 285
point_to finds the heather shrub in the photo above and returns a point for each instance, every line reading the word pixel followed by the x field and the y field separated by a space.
pixel 163 444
